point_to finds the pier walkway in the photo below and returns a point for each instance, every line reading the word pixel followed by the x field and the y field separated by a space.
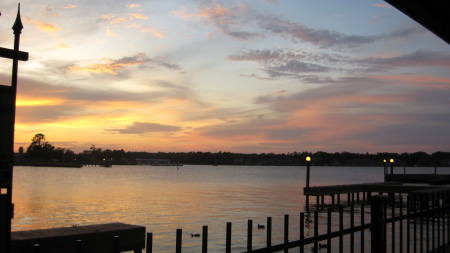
pixel 394 184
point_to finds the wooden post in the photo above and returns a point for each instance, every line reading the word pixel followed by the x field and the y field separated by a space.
pixel 286 231
pixel 269 232
pixel 352 225
pixel 249 235
pixel 149 248
pixel 302 231
pixel 116 244
pixel 228 239
pixel 78 246
pixel 362 229
pixel 205 239
pixel 178 240
pixel 378 239
pixel 316 230
pixel 36 248
pixel 329 229
pixel 341 228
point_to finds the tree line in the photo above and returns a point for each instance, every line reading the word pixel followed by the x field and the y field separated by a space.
pixel 40 150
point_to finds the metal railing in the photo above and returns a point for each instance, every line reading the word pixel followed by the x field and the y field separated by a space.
pixel 419 224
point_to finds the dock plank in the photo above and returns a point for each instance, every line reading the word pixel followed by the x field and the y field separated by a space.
pixel 96 238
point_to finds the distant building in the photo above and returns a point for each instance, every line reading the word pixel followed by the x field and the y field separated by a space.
pixel 152 161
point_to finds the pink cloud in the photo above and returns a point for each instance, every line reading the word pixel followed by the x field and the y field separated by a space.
pixel 383 5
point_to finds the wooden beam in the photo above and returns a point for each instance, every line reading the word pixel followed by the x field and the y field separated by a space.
pixel 12 54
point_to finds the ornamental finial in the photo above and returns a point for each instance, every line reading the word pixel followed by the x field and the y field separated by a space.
pixel 17 27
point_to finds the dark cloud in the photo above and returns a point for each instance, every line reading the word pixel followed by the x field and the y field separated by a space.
pixel 363 110
pixel 145 127
pixel 249 127
pixel 234 20
pixel 419 58
pixel 115 66
pixel 326 38
pixel 288 133
pixel 288 63
pixel 313 67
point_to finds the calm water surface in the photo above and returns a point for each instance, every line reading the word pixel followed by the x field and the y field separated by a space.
pixel 166 198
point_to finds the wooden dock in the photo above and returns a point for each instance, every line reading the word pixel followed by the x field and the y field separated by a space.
pixel 103 238
pixel 352 190
pixel 418 178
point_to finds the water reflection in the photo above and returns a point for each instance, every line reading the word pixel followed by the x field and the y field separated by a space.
pixel 164 199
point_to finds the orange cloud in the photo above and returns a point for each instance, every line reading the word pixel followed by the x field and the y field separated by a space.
pixel 111 33
pixel 42 25
pixel 113 19
pixel 207 12
pixel 64 45
pixel 148 29
pixel 110 66
pixel 26 101
pixel 139 16
pixel 70 6
pixel 133 5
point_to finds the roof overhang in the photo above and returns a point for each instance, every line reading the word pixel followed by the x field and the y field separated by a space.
pixel 432 14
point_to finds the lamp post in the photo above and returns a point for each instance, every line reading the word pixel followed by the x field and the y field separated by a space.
pixel 384 166
pixel 392 166
pixel 308 159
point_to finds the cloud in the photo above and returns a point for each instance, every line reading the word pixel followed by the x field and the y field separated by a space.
pixel 228 20
pixel 112 19
pixel 111 33
pixel 42 25
pixel 316 67
pixel 240 22
pixel 145 127
pixel 67 103
pixel 383 5
pixel 70 6
pixel 111 66
pixel 133 5
pixel 64 45
pixel 147 29
pixel 289 63
pixel 326 38
pixel 366 112
pixel 139 15
pixel 419 58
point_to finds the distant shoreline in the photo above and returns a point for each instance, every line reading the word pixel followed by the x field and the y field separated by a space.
pixel 48 164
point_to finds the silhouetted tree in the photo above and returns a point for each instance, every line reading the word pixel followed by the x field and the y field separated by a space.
pixel 40 149
pixel 21 151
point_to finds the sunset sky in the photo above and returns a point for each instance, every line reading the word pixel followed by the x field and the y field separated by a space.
pixel 248 76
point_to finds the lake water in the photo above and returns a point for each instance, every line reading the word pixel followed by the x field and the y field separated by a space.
pixel 164 199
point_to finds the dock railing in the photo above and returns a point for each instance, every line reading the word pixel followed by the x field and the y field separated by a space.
pixel 419 224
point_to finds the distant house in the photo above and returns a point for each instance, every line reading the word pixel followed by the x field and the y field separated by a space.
pixel 152 161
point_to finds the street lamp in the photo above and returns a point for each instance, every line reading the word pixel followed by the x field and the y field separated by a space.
pixel 392 166
pixel 384 166
pixel 308 160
